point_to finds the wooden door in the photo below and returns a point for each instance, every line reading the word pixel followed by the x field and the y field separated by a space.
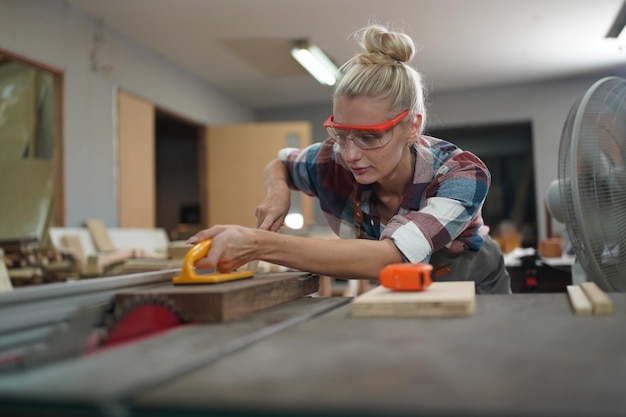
pixel 136 162
pixel 235 157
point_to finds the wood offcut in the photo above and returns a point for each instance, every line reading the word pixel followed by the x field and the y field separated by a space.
pixel 441 299
pixel 229 300
pixel 100 235
pixel 587 298
pixel 602 304
pixel 580 303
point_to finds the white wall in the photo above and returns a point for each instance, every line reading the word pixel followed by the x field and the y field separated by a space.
pixel 53 33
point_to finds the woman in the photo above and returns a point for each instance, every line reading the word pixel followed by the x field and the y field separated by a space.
pixel 392 194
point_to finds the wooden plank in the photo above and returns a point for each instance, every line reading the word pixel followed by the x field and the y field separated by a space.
pixel 441 299
pixel 86 242
pixel 178 249
pixel 5 280
pixel 74 244
pixel 579 301
pixel 97 264
pixel 25 273
pixel 602 304
pixel 100 235
pixel 152 241
pixel 147 264
pixel 229 300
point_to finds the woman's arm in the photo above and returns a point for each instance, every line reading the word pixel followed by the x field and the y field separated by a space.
pixel 233 246
pixel 272 210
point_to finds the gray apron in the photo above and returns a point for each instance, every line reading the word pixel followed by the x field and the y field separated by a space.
pixel 485 268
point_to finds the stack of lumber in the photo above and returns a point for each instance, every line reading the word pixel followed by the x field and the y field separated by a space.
pixel 111 251
pixel 30 264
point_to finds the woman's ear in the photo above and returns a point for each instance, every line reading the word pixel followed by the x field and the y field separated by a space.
pixel 418 123
pixel 416 126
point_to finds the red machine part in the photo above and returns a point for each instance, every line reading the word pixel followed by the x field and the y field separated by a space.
pixel 143 318
pixel 406 276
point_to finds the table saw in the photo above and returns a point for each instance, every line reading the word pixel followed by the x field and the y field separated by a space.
pixel 516 355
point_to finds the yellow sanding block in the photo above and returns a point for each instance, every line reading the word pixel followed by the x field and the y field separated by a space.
pixel 441 299
pixel 188 274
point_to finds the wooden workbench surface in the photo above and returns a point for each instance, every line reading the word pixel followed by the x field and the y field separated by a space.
pixel 517 355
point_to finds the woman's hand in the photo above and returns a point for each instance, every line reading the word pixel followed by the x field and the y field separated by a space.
pixel 271 212
pixel 231 247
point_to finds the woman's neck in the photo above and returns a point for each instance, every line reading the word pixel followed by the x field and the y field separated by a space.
pixel 389 194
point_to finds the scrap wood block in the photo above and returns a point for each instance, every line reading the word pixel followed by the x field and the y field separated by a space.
pixel 441 299
pixel 147 264
pixel 226 301
pixel 602 305
pixel 578 299
pixel 97 264
pixel 178 249
pixel 5 280
pixel 73 243
pixel 26 275
pixel 100 235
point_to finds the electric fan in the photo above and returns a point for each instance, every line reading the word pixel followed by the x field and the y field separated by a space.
pixel 589 196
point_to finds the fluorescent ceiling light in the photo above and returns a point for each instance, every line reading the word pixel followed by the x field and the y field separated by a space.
pixel 316 63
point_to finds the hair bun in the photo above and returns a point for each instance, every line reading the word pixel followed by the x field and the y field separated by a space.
pixel 384 46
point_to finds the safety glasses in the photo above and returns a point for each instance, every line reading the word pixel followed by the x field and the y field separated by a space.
pixel 366 137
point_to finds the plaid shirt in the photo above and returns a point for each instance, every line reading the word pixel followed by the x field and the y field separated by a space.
pixel 442 208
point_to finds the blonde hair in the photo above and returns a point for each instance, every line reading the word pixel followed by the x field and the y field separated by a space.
pixel 382 71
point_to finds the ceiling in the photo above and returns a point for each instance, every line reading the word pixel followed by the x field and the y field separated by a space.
pixel 242 46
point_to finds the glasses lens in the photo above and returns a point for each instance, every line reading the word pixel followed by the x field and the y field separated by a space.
pixel 363 139
pixel 372 140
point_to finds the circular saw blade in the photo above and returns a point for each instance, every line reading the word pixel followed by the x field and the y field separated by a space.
pixel 139 317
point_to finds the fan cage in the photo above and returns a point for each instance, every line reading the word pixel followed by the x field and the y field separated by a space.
pixel 592 178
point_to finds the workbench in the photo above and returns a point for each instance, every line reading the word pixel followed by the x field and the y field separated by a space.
pixel 516 355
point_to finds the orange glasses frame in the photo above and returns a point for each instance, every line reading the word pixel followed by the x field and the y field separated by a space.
pixel 380 127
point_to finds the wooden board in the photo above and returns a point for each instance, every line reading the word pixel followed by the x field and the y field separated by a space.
pixel 600 301
pixel 100 235
pixel 150 264
pixel 5 280
pixel 149 240
pixel 73 243
pixel 230 300
pixel 579 301
pixel 97 264
pixel 441 299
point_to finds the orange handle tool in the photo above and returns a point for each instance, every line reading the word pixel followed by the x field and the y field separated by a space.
pixel 406 276
pixel 188 274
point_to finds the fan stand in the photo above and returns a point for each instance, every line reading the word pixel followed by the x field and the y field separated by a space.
pixel 578 273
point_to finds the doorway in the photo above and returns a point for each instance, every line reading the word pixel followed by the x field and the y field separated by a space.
pixel 182 176
pixel 177 157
